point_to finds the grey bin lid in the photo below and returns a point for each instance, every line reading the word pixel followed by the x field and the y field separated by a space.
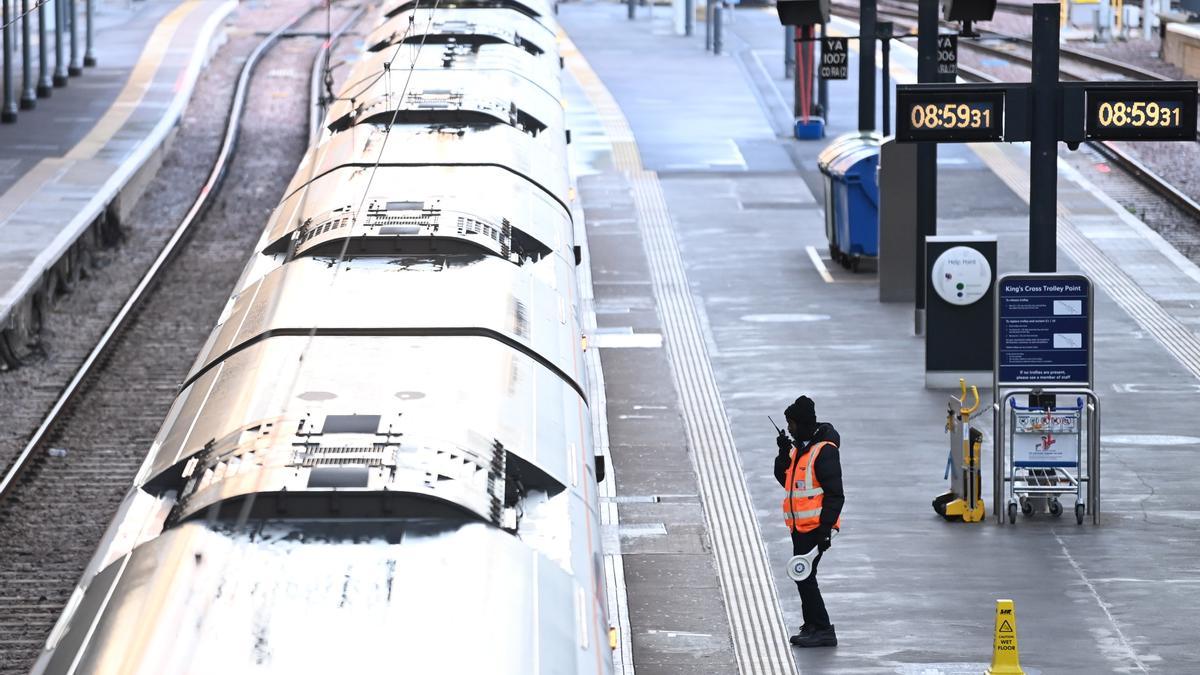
pixel 844 143
pixel 849 159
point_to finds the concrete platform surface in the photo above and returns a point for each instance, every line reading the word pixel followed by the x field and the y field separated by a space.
pixel 73 166
pixel 909 592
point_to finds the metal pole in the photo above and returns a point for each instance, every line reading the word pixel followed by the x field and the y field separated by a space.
pixel 689 17
pixel 717 27
pixel 44 86
pixel 74 69
pixel 8 114
pixel 89 57
pixel 885 29
pixel 708 25
pixel 631 8
pixel 60 53
pixel 823 87
pixel 789 52
pixel 798 61
pixel 927 35
pixel 28 93
pixel 866 65
pixel 1043 142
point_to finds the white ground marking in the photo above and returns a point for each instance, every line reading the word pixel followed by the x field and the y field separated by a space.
pixel 626 340
pixel 1130 653
pixel 819 264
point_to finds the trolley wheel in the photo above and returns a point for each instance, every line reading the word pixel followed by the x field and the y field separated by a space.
pixel 1079 511
pixel 1056 508
pixel 1012 514
pixel 1026 508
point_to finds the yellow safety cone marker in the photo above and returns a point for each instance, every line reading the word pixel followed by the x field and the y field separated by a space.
pixel 1005 657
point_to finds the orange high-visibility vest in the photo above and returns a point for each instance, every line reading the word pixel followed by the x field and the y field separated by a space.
pixel 802 506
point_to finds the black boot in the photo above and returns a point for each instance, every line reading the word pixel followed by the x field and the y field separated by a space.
pixel 805 631
pixel 820 637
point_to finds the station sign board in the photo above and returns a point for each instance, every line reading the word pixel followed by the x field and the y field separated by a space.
pixel 1138 112
pixel 835 58
pixel 952 113
pixel 1044 330
pixel 947 57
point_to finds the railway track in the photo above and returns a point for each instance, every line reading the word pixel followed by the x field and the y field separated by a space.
pixel 59 493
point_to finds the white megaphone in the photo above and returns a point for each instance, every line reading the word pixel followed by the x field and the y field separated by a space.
pixel 800 566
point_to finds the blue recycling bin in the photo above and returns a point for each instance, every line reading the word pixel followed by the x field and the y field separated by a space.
pixel 855 180
pixel 836 192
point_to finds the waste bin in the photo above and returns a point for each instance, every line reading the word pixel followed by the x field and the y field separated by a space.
pixel 833 189
pixel 856 204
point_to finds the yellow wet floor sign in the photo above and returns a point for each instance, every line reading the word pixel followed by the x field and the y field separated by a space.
pixel 1005 657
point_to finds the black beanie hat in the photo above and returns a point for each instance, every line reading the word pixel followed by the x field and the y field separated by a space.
pixel 802 412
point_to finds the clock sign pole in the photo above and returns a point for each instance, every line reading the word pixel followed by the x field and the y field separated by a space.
pixel 1043 112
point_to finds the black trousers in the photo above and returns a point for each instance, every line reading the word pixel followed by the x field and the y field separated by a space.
pixel 815 615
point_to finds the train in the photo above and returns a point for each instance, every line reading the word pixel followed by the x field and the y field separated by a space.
pixel 382 458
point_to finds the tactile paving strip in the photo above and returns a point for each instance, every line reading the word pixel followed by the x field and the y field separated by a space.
pixel 751 600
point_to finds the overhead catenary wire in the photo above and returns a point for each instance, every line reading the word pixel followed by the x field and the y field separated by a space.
pixel 354 216
pixel 24 14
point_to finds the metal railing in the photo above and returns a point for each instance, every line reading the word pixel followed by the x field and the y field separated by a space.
pixel 66 36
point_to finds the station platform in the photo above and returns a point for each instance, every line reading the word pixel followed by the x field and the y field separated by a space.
pixel 701 213
pixel 72 168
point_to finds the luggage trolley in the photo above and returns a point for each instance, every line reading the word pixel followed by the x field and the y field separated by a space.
pixel 1046 453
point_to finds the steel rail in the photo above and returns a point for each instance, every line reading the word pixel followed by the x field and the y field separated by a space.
pixel 172 247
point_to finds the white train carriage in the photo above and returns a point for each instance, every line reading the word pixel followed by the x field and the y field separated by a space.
pixel 382 458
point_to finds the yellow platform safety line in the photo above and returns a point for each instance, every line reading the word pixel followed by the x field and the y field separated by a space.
pixel 1006 659
pixel 626 156
pixel 136 86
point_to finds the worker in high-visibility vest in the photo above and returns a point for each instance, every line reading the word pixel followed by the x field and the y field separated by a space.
pixel 810 469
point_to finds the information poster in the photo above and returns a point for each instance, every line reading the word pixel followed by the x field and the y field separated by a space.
pixel 1044 330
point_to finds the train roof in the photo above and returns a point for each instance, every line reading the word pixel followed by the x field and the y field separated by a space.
pixel 542 162
pixel 468 27
pixel 454 96
pixel 394 201
pixel 522 306
pixel 404 407
pixel 540 10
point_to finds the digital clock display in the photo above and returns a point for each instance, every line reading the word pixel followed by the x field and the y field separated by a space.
pixel 949 116
pixel 1147 114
